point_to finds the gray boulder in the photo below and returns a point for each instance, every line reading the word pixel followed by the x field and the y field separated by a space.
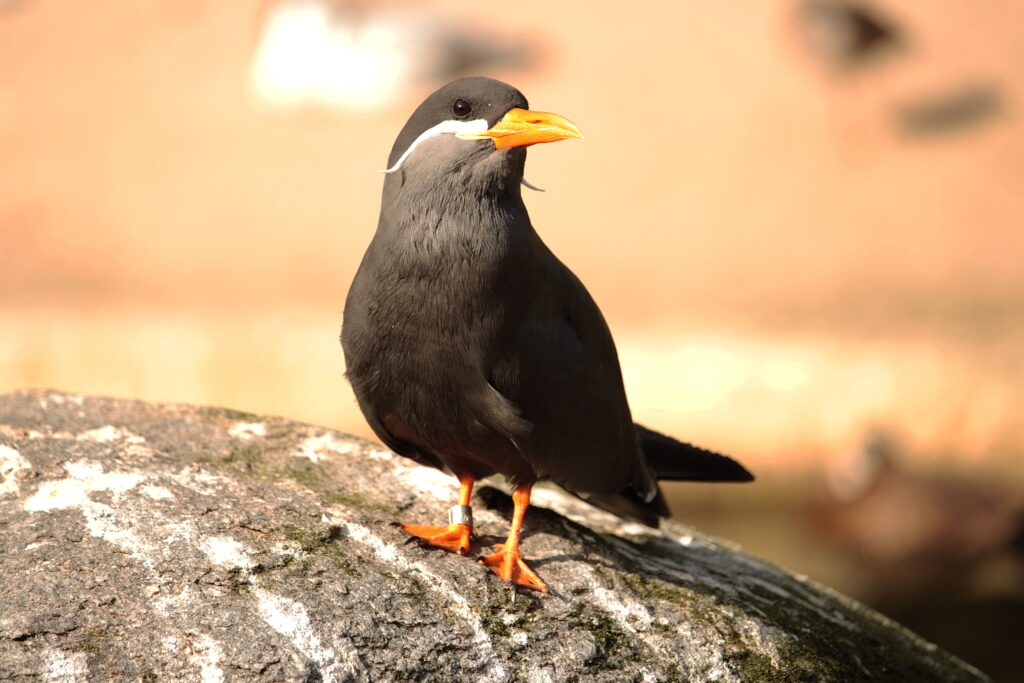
pixel 153 542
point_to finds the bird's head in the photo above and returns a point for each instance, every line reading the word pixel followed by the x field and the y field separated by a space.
pixel 475 131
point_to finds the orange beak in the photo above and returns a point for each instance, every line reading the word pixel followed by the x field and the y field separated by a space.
pixel 522 127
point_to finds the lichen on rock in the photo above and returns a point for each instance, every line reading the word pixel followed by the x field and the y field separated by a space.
pixel 166 542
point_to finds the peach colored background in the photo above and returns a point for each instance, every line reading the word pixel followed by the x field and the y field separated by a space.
pixel 782 269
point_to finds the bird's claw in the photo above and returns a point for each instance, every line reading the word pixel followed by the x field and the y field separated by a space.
pixel 512 570
pixel 455 538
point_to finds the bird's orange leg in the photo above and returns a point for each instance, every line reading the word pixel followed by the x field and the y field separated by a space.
pixel 507 563
pixel 454 537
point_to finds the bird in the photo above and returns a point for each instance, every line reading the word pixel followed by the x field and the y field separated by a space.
pixel 471 348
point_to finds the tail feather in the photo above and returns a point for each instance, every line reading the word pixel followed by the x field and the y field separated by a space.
pixel 673 460
pixel 629 505
pixel 669 460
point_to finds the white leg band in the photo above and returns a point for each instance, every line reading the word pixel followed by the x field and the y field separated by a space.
pixel 460 514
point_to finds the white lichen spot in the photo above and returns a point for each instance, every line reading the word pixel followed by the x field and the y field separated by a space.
pixel 157 492
pixel 106 434
pixel 288 551
pixel 101 520
pixel 318 448
pixel 199 481
pixel 705 650
pixel 170 644
pixel 291 620
pixel 389 552
pixel 686 540
pixel 246 431
pixel 33 546
pixel 207 655
pixel 539 676
pixel 380 454
pixel 84 477
pixel 55 399
pixel 11 463
pixel 173 605
pixel 520 638
pixel 64 667
pixel 759 637
pixel 629 614
pixel 224 551
pixel 183 531
pixel 427 481
pixel 58 400
pixel 110 434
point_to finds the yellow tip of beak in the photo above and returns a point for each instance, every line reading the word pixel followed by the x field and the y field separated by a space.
pixel 522 127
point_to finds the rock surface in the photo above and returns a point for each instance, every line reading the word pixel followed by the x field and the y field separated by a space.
pixel 166 542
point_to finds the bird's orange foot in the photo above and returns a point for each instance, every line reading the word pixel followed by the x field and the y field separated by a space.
pixel 454 538
pixel 510 568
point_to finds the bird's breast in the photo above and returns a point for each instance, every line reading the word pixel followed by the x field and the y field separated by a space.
pixel 418 339
pixel 434 306
pixel 435 284
pixel 421 359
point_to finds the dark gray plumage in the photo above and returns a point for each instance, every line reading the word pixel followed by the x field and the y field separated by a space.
pixel 471 347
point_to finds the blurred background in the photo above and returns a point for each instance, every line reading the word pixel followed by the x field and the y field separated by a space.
pixel 802 219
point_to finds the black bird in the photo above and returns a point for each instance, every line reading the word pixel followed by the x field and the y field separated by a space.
pixel 473 349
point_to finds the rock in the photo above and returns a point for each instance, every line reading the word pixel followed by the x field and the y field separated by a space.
pixel 166 542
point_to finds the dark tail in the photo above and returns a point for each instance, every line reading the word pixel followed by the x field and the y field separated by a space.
pixel 628 505
pixel 670 460
pixel 673 460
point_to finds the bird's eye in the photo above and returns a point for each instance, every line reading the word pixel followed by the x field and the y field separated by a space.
pixel 462 108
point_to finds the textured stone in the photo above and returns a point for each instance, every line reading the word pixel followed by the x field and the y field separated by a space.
pixel 167 542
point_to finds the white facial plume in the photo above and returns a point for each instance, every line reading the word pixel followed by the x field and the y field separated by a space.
pixel 448 127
